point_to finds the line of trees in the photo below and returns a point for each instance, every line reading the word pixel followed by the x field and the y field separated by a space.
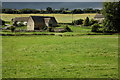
pixel 50 10
pixel 84 22
pixel 111 23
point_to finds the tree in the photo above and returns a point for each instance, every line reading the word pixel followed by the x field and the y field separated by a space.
pixel 92 21
pixel 12 28
pixel 62 9
pixel 66 9
pixel 7 10
pixel 95 27
pixel 111 12
pixel 3 22
pixel 86 21
pixel 68 29
pixel 49 9
pixel 78 22
pixel 76 11
pixel 27 11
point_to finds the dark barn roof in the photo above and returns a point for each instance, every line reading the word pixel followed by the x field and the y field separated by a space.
pixel 99 16
pixel 41 18
pixel 19 19
pixel 37 19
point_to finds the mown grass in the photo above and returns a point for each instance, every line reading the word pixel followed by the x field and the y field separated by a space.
pixel 60 57
pixel 61 18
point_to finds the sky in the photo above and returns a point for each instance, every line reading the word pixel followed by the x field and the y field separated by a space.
pixel 54 5
pixel 55 0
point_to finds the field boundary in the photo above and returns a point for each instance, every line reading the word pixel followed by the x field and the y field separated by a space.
pixel 55 34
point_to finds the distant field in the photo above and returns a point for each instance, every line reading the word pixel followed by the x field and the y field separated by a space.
pixel 61 18
pixel 87 56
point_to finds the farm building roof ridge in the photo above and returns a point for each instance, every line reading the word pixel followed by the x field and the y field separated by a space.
pixel 99 16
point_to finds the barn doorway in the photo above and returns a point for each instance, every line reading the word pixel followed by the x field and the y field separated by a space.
pixel 50 25
pixel 36 28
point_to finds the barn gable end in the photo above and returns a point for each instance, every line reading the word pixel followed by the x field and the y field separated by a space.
pixel 30 24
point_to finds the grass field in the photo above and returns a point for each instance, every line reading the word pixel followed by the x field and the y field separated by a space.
pixel 61 18
pixel 87 56
pixel 75 29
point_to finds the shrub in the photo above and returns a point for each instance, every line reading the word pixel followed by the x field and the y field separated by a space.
pixel 50 29
pixel 3 22
pixel 12 28
pixel 95 27
pixel 86 22
pixel 68 29
pixel 78 22
pixel 92 21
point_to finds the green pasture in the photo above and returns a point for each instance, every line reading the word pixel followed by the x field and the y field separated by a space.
pixel 88 56
pixel 61 18
pixel 75 29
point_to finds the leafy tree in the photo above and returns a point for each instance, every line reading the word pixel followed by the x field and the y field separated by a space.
pixel 111 12
pixel 89 10
pixel 78 22
pixel 7 10
pixel 92 21
pixel 97 11
pixel 3 22
pixel 66 9
pixel 68 29
pixel 49 9
pixel 62 9
pixel 12 28
pixel 42 11
pixel 95 27
pixel 86 22
pixel 76 11
pixel 27 10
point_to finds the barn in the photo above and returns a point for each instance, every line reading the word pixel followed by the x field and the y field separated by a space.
pixel 18 20
pixel 99 18
pixel 41 22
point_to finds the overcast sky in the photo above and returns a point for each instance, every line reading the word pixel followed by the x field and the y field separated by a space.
pixel 58 0
pixel 53 0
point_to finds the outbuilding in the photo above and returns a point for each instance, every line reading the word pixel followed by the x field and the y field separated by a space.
pixel 41 22
pixel 99 18
pixel 18 20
